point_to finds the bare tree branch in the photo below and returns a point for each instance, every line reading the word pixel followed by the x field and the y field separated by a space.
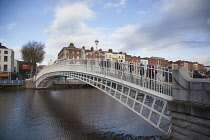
pixel 33 52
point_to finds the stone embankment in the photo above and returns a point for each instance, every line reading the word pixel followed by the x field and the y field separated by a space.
pixel 190 107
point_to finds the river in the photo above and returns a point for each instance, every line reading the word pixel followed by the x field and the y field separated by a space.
pixel 64 114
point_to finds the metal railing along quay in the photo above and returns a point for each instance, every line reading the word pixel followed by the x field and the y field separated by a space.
pixel 11 82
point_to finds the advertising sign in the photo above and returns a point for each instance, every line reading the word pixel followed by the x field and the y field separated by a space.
pixel 26 67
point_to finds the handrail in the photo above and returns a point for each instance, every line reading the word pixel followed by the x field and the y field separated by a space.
pixel 155 78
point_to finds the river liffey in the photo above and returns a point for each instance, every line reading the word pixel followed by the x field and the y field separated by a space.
pixel 69 114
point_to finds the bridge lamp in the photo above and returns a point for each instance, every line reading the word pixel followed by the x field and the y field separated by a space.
pixel 65 51
pixel 96 41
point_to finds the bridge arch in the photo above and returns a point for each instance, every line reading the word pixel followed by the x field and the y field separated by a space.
pixel 150 104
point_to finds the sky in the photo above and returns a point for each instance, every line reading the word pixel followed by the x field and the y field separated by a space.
pixel 172 29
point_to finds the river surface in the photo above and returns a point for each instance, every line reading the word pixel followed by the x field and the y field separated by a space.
pixel 69 114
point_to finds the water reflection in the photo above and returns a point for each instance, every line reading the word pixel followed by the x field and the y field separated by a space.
pixel 69 114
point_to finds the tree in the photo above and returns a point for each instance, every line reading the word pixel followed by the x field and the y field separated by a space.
pixel 33 52
pixel 92 49
pixel 110 51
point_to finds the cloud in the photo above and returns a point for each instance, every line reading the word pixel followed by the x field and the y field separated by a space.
pixel 69 26
pixel 177 22
pixel 178 25
pixel 70 19
pixel 121 3
pixel 119 6
pixel 8 26
pixel 142 12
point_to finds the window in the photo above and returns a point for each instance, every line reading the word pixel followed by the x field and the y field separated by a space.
pixel 5 58
pixel 77 52
pixel 0 51
pixel 77 57
pixel 5 67
pixel 119 56
pixel 5 52
pixel 72 57
pixel 72 52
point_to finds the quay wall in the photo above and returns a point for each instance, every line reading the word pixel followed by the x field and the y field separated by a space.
pixel 190 107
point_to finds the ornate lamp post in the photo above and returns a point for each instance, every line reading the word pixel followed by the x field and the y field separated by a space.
pixel 65 53
pixel 96 42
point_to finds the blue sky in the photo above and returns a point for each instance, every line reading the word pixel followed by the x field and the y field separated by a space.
pixel 173 29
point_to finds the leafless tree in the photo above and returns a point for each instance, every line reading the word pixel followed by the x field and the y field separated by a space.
pixel 33 52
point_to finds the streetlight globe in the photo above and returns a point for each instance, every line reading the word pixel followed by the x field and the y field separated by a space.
pixel 96 41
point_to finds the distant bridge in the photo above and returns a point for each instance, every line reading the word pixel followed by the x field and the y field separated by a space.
pixel 143 89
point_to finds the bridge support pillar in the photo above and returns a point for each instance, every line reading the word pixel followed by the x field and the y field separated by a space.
pixel 30 84
pixel 190 107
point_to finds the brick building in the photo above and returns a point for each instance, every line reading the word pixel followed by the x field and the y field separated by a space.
pixel 70 52
pixel 157 61
pixel 133 59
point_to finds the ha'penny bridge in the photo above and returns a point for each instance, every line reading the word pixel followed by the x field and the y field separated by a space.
pixel 178 111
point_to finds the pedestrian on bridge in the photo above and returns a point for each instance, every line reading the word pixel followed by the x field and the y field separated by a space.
pixel 151 73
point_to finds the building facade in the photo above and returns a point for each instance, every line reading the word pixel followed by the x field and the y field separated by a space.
pixel 159 61
pixel 25 69
pixel 7 63
pixel 71 52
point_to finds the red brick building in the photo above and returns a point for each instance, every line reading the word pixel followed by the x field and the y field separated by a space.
pixel 70 52
pixel 133 59
pixel 157 61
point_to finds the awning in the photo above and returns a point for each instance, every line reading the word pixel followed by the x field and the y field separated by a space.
pixel 4 75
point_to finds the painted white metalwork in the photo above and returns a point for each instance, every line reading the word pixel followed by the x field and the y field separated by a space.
pixel 143 89
pixel 153 78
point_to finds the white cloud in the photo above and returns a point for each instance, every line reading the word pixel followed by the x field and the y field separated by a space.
pixel 10 26
pixel 69 26
pixel 121 3
pixel 70 19
pixel 142 12
pixel 166 33
pixel 119 6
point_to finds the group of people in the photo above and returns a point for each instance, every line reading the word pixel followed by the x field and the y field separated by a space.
pixel 196 74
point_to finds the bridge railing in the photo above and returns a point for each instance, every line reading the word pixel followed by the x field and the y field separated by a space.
pixel 155 78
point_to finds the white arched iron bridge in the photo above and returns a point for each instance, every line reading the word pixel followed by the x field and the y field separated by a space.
pixel 143 89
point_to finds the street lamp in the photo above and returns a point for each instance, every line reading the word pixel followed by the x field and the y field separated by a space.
pixel 96 41
pixel 65 53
